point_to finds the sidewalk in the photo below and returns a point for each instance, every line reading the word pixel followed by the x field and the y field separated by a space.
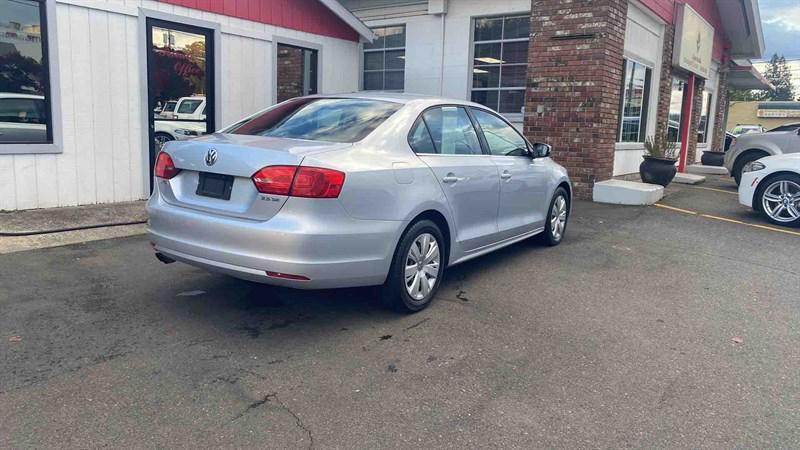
pixel 51 227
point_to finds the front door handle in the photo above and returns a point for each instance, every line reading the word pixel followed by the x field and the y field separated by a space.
pixel 450 178
pixel 505 175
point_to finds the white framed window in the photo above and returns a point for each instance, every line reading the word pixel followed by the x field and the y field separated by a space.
pixel 634 101
pixel 29 101
pixel 500 62
pixel 385 60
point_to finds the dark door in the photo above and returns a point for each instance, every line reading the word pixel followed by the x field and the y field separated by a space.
pixel 180 83
pixel 297 72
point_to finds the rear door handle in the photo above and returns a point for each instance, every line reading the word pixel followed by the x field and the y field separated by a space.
pixel 450 178
pixel 505 175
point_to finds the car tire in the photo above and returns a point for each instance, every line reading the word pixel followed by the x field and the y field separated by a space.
pixel 555 224
pixel 767 186
pixel 161 139
pixel 742 161
pixel 397 292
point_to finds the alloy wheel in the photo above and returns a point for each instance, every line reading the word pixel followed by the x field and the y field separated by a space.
pixel 422 266
pixel 558 217
pixel 781 201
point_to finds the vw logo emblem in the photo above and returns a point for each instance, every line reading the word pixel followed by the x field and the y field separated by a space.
pixel 211 157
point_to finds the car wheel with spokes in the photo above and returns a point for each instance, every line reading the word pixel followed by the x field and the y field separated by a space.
pixel 417 268
pixel 779 199
pixel 556 220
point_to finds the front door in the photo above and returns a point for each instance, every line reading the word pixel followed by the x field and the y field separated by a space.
pixel 523 180
pixel 180 83
pixel 467 176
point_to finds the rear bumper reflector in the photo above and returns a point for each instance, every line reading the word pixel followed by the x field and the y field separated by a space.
pixel 287 276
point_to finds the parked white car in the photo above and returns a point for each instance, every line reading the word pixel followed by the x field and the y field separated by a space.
pixel 771 186
pixel 190 108
pixel 750 147
pixel 167 130
pixel 22 118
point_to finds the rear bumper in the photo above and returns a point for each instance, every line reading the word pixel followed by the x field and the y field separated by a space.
pixel 323 244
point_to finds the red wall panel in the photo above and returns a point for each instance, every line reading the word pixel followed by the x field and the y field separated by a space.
pixel 310 16
pixel 706 8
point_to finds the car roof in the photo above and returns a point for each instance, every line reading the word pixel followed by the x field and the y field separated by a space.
pixel 20 95
pixel 402 98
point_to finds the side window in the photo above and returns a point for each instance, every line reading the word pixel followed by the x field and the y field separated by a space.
pixel 502 138
pixel 420 140
pixel 452 131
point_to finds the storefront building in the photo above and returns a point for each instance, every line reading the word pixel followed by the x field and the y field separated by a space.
pixel 593 78
pixel 90 89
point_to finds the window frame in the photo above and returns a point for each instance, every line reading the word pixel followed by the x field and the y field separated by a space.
pixel 280 40
pixel 644 115
pixel 518 116
pixel 47 13
pixel 468 110
pixel 383 51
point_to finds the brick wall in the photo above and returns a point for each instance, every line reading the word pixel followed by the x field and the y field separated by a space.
pixel 574 77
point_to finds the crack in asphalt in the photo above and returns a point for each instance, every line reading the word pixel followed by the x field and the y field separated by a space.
pixel 269 398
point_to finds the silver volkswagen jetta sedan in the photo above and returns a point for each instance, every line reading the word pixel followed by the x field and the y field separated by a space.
pixel 355 190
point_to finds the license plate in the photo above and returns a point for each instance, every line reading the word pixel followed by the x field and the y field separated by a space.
pixel 215 185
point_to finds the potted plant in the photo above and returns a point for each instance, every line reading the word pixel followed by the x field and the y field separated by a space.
pixel 660 155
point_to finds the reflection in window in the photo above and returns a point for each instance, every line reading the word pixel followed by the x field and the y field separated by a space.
pixel 702 125
pixel 385 60
pixel 502 138
pixel 24 75
pixel 420 139
pixel 500 62
pixel 297 72
pixel 452 131
pixel 635 93
pixel 676 110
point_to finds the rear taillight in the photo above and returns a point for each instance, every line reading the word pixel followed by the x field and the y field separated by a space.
pixel 309 182
pixel 274 179
pixel 165 168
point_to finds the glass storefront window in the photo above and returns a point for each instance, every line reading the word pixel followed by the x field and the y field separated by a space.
pixel 676 109
pixel 702 125
pixel 385 60
pixel 500 62
pixel 24 74
pixel 635 94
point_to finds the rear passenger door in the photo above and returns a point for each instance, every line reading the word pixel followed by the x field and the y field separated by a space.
pixel 445 138
pixel 523 181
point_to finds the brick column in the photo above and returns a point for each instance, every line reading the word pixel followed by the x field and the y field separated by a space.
pixel 691 150
pixel 665 81
pixel 720 109
pixel 574 79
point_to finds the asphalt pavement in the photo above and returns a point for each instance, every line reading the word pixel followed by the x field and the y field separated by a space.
pixel 647 327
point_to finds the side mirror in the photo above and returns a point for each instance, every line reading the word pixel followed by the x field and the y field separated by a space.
pixel 540 150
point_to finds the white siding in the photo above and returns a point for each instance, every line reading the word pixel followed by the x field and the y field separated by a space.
pixel 98 44
pixel 427 71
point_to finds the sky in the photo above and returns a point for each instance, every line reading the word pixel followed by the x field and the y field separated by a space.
pixel 780 20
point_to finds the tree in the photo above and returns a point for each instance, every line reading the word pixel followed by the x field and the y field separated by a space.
pixel 779 74
pixel 742 95
pixel 20 74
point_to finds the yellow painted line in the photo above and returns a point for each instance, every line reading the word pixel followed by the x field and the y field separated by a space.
pixel 672 208
pixel 713 189
pixel 754 225
pixel 725 219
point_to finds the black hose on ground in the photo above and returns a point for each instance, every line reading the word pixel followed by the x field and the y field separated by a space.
pixel 62 230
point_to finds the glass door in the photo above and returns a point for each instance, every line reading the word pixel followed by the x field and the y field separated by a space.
pixel 297 72
pixel 180 83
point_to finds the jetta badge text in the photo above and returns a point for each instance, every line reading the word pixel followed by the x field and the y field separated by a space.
pixel 211 157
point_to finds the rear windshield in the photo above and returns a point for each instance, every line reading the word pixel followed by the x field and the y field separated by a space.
pixel 319 119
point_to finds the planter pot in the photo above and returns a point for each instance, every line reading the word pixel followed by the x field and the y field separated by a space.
pixel 657 170
pixel 711 158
